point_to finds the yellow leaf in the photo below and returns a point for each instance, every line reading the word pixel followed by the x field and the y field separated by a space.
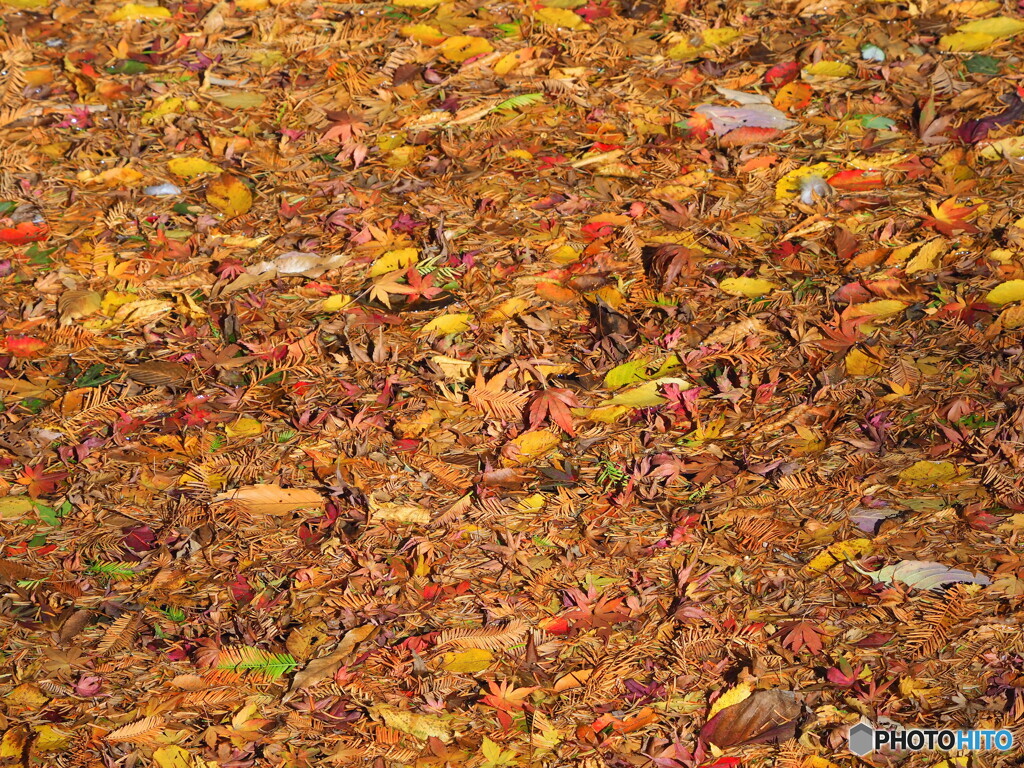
pixel 789 186
pixel 730 698
pixel 838 552
pixel 924 473
pixel 244 427
pixel 229 195
pixel 28 5
pixel 13 742
pixel 880 308
pixel 416 3
pixel 172 757
pixel 560 17
pixel 510 61
pixel 507 310
pixel 49 739
pixel 469 660
pixel 645 395
pixel 393 261
pixel 423 33
pixel 1006 293
pixel 928 258
pixel 336 302
pixel 399 513
pixel 966 42
pixel 25 696
pixel 969 8
pixel 124 176
pixel 459 48
pixel 15 507
pixel 685 51
pixel 1011 146
pixel 142 312
pixel 1012 318
pixel 829 69
pixel 139 12
pixel 606 414
pixel 187 167
pixel 532 504
pixel 751 287
pixel 859 363
pixel 997 26
pixel 721 36
pixel 627 373
pixel 533 444
pixel 454 323
pixel 420 726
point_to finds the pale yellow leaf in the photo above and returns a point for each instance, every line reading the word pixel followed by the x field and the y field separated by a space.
pixel 966 42
pixel 829 69
pixel 1006 293
pixel 139 12
pixel 445 324
pixel 751 287
pixel 187 167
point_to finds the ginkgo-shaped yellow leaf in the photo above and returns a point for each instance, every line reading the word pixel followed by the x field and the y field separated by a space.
pixel 458 48
pixel 187 167
pixel 1006 293
pixel 751 287
pixel 997 26
pixel 966 42
pixel 400 258
pixel 829 69
pixel 139 12
pixel 229 195
pixel 453 323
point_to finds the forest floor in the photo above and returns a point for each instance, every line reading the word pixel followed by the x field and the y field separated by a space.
pixel 610 383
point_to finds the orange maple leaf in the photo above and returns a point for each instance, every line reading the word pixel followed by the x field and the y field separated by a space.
pixel 948 217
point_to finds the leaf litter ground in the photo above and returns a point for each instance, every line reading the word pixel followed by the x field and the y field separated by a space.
pixel 570 383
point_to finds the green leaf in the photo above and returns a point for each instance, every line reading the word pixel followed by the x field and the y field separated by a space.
pixel 95 377
pixel 877 122
pixel 982 65
pixel 520 101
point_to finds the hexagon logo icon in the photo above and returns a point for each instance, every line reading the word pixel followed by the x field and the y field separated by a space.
pixel 862 739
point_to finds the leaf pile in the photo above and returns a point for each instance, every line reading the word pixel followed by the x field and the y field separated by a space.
pixel 573 382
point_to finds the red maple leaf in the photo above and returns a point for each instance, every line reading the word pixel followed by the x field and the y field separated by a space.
pixel 39 481
pixel 801 634
pixel 553 405
pixel 948 217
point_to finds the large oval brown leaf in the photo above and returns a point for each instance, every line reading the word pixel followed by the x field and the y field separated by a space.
pixel 762 716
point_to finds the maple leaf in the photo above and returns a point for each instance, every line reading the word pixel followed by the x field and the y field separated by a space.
pixel 601 613
pixel 506 698
pixel 383 289
pixel 801 634
pixel 553 405
pixel 948 217
pixel 39 481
